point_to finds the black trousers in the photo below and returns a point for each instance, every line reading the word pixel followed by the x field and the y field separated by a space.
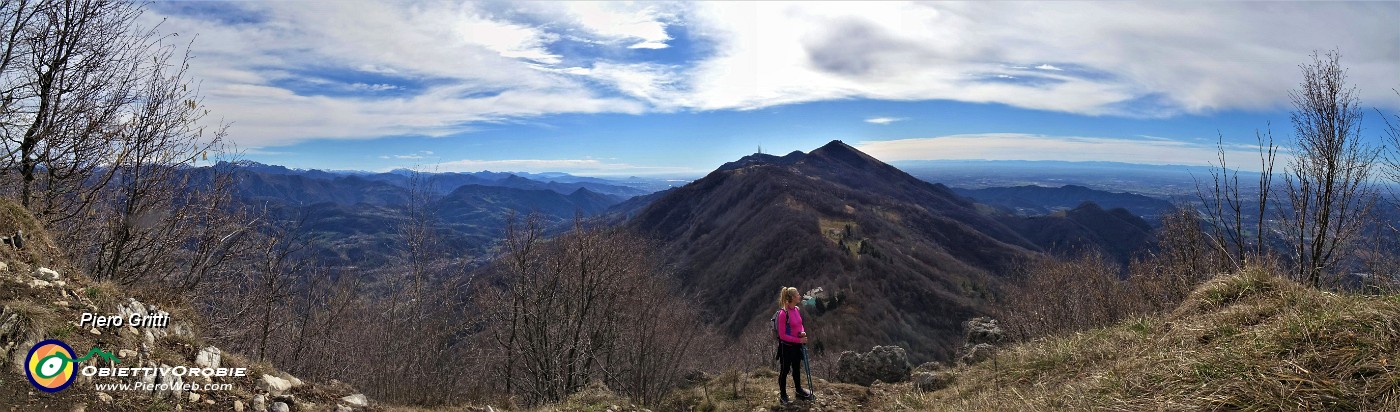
pixel 789 359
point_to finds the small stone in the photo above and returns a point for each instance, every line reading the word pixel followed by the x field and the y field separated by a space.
pixel 4 267
pixel 36 283
pixel 357 400
pixel 260 403
pixel 280 407
pixel 343 408
pixel 104 397
pixel 62 303
pixel 82 407
pixel 126 353
pixel 194 397
pixel 237 406
pixel 95 331
pixel 209 402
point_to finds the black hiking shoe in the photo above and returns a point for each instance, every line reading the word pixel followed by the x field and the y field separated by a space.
pixel 805 395
pixel 784 401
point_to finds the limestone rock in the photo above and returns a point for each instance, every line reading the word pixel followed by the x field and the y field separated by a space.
pixel 274 385
pixel 932 381
pixel 208 357
pixel 883 363
pixel 280 407
pixel 356 401
pixel 296 383
pixel 983 330
pixel 47 274
pixel 977 353
pixel 260 403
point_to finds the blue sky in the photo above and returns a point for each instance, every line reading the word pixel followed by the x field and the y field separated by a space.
pixel 679 88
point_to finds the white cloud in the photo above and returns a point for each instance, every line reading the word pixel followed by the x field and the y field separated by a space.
pixel 1135 59
pixel 466 64
pixel 452 65
pixel 884 120
pixel 1016 146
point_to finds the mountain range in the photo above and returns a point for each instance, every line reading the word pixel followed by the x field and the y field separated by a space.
pixel 903 261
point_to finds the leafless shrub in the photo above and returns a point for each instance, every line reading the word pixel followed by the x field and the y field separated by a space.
pixel 1075 294
pixel 592 304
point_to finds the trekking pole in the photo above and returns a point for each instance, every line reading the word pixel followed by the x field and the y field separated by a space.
pixel 807 364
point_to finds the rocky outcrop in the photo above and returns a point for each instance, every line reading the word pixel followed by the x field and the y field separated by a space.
pixel 887 364
pixel 982 336
pixel 983 330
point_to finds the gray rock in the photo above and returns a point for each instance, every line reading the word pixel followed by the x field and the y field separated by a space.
pixel 932 381
pixel 104 397
pixel 260 403
pixel 208 357
pixel 237 406
pixel 983 330
pixel 289 399
pixel 356 401
pixel 343 408
pixel 883 363
pixel 280 407
pixel 977 353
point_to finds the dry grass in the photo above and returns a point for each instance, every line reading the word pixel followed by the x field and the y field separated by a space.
pixel 1250 341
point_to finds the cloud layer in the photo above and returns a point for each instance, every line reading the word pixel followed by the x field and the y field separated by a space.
pixel 1017 146
pixel 286 72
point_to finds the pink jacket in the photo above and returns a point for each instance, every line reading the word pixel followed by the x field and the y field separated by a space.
pixel 790 326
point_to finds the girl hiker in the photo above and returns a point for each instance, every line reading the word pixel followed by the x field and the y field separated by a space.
pixel 791 338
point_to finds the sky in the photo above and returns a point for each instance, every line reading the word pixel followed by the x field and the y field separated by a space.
pixel 662 88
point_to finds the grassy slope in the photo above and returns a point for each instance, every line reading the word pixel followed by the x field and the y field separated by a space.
pixel 1247 341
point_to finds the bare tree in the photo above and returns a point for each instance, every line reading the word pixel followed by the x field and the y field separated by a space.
pixel 1329 181
pixel 73 74
pixel 1226 207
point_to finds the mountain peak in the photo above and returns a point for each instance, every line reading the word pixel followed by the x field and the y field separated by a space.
pixel 842 152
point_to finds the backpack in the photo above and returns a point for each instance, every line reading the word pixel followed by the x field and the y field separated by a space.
pixel 774 320
pixel 778 354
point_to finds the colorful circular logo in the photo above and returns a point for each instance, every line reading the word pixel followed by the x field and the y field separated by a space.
pixel 50 365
